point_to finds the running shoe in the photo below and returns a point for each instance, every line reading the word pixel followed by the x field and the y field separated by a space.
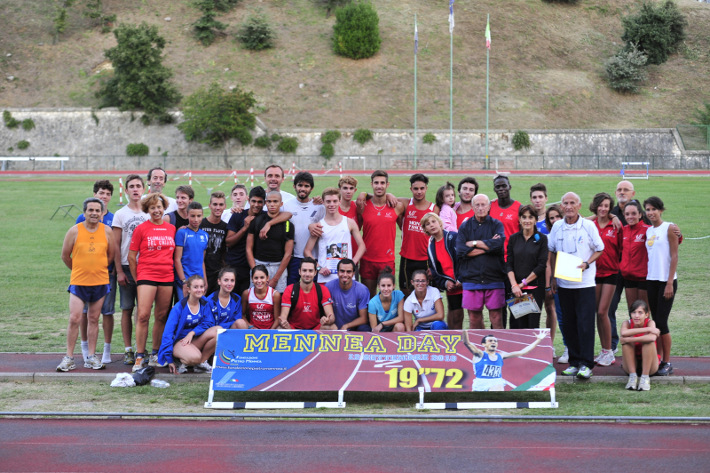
pixel 664 369
pixel 644 383
pixel 599 357
pixel 584 372
pixel 67 364
pixel 129 357
pixel 632 383
pixel 153 361
pixel 138 364
pixel 564 359
pixel 571 371
pixel 203 367
pixel 182 368
pixel 94 363
pixel 606 358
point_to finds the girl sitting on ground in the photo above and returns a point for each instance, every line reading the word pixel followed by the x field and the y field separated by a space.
pixel 225 306
pixel 638 347
pixel 187 336
pixel 261 304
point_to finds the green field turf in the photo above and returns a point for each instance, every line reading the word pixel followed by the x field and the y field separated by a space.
pixel 33 281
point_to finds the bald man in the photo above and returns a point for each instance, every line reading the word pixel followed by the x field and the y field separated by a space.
pixel 578 237
pixel 479 247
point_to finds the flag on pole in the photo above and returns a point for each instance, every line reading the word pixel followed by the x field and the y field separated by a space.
pixel 488 34
pixel 451 16
pixel 416 38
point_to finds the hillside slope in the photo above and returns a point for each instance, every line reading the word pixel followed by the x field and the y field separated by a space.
pixel 546 63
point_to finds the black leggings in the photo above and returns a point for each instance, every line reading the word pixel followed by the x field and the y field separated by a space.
pixel 659 305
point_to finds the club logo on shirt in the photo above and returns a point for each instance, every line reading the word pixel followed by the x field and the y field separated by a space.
pixel 412 214
pixel 640 238
pixel 651 240
pixel 307 308
pixel 261 306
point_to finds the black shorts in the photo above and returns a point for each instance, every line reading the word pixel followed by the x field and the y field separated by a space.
pixel 633 284
pixel 145 282
pixel 406 268
pixel 608 279
pixel 455 301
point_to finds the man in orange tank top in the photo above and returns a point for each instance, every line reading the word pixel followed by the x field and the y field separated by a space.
pixel 87 250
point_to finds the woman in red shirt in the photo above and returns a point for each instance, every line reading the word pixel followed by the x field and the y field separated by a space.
pixel 154 240
pixel 634 258
pixel 607 272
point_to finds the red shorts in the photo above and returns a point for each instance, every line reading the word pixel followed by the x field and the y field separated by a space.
pixel 371 269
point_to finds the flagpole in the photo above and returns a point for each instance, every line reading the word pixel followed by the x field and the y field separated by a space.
pixel 451 84
pixel 488 56
pixel 416 46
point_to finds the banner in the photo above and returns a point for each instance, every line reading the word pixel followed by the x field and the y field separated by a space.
pixel 304 360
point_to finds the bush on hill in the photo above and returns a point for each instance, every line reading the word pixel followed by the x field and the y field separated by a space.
pixel 657 29
pixel 356 33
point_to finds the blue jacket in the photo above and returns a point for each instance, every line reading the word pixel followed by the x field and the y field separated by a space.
pixel 176 324
pixel 215 308
pixel 438 277
pixel 486 268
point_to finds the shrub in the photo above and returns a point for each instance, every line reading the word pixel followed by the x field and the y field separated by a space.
pixel 275 137
pixel 362 136
pixel 356 33
pixel 23 144
pixel 263 141
pixel 331 5
pixel 10 121
pixel 137 149
pixel 521 140
pixel 287 144
pixel 140 80
pixel 219 5
pixel 28 124
pixel 656 29
pixel 625 71
pixel 256 33
pixel 703 116
pixel 330 137
pixel 429 138
pixel 327 151
pixel 206 28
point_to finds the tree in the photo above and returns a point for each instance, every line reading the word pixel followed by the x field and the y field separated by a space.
pixel 356 33
pixel 140 80
pixel 657 30
pixel 215 116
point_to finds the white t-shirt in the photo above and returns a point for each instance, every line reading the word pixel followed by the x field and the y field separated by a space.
pixel 335 244
pixel 127 220
pixel 303 215
pixel 659 253
pixel 426 308
pixel 580 239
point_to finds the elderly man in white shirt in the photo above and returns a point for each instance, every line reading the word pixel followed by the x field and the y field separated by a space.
pixel 578 237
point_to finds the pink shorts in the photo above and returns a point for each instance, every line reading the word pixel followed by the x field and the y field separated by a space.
pixel 475 300
pixel 371 269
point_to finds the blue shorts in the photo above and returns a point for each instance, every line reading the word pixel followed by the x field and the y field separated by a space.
pixel 89 293
pixel 109 307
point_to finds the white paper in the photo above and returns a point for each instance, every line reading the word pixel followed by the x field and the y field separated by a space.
pixel 567 268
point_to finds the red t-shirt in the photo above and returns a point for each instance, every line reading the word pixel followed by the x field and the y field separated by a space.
pixel 608 262
pixel 461 218
pixel 634 258
pixel 379 229
pixel 306 314
pixel 351 213
pixel 509 218
pixel 414 240
pixel 447 265
pixel 155 245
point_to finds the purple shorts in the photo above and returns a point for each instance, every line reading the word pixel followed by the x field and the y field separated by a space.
pixel 491 298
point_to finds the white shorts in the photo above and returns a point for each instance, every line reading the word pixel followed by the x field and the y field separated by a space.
pixel 487 384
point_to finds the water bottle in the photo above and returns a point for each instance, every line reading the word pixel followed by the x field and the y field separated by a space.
pixel 159 383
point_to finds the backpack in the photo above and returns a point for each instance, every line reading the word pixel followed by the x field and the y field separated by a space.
pixel 296 291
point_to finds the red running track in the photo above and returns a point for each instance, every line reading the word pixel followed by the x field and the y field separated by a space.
pixel 173 446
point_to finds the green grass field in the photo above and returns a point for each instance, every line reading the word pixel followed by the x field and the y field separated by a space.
pixel 33 315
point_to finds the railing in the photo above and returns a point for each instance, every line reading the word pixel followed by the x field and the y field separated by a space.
pixel 695 137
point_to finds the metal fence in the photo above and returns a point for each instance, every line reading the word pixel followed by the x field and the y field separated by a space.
pixel 367 163
pixel 695 137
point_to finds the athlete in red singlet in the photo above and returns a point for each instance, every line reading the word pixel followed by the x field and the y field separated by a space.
pixel 348 187
pixel 505 209
pixel 379 228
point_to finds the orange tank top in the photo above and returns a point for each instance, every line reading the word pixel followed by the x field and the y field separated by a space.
pixel 90 257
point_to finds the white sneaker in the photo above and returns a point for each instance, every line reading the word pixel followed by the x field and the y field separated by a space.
pixel 644 383
pixel 182 368
pixel 606 358
pixel 153 361
pixel 203 367
pixel 93 363
pixel 632 383
pixel 564 359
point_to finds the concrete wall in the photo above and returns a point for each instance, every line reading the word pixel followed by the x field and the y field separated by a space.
pixel 97 141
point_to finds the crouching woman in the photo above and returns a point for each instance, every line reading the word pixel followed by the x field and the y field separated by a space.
pixel 186 337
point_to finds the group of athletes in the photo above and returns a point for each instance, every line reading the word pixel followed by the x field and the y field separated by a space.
pixel 269 259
